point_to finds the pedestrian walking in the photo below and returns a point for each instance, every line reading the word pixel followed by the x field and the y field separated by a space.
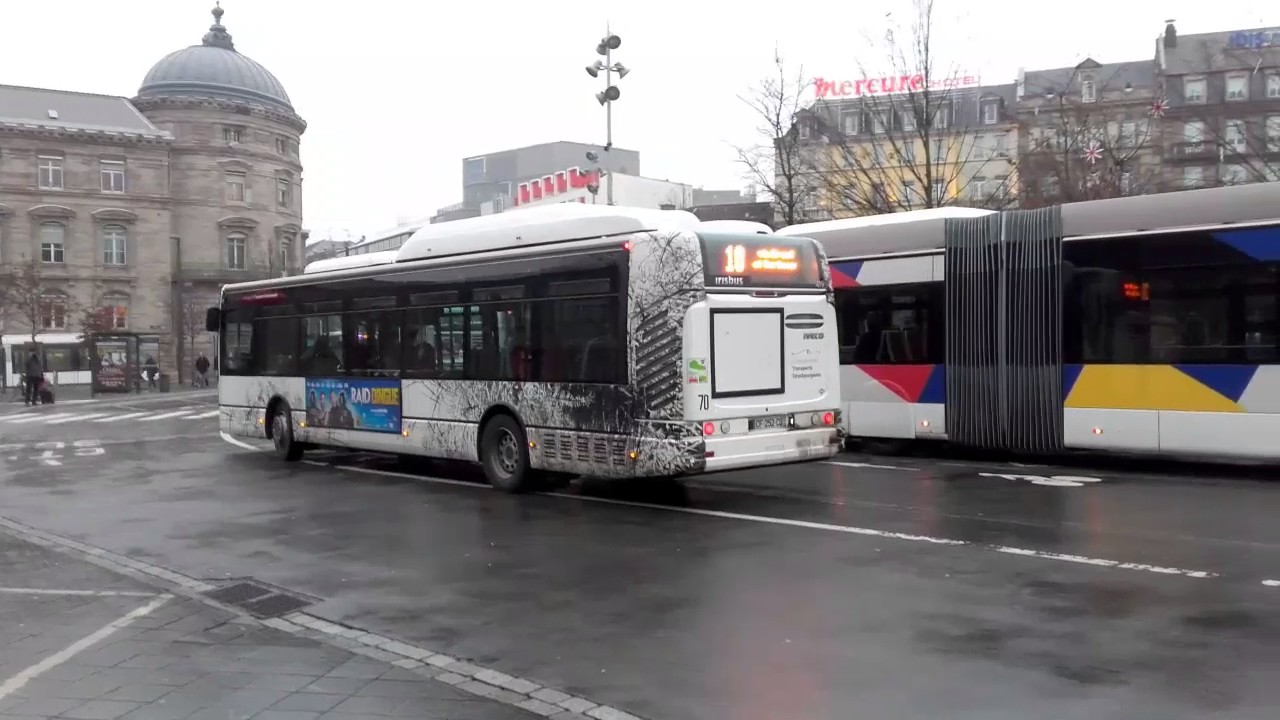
pixel 34 375
pixel 151 369
pixel 202 371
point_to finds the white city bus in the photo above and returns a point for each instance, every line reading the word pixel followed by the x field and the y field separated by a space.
pixel 560 340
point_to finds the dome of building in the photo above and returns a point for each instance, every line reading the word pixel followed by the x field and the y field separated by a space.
pixel 214 69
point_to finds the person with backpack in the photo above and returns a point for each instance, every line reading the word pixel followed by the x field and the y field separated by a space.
pixel 202 370
pixel 34 375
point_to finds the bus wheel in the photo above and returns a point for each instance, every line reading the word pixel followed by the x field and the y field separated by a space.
pixel 504 452
pixel 282 434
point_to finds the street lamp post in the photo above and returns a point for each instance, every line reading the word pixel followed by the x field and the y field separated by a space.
pixel 607 45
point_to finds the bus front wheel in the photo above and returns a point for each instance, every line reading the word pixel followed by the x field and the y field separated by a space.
pixel 504 453
pixel 282 433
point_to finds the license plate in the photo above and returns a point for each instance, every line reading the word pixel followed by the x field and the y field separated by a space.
pixel 767 422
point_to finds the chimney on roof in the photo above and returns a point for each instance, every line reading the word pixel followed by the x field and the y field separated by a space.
pixel 1170 34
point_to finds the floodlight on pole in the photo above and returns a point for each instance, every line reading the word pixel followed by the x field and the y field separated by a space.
pixel 606 97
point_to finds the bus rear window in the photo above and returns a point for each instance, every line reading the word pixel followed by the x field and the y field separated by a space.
pixel 743 261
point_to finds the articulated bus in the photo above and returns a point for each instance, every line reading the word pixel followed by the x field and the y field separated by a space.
pixel 551 341
pixel 1141 325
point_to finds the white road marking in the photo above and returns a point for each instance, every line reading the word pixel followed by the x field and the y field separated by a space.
pixel 1100 562
pixel 91 593
pixel 869 466
pixel 75 418
pixel 238 443
pixel 211 413
pixel 27 417
pixel 1271 583
pixel 163 416
pixel 17 682
pixel 121 417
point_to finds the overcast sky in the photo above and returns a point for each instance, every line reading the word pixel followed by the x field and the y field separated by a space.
pixel 396 93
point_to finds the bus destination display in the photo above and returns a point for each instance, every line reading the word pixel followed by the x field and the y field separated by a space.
pixel 749 262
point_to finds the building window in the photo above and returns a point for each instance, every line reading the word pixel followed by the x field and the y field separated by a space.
pixel 1001 147
pixel 284 193
pixel 1273 133
pixel 114 243
pixel 1128 134
pixel 1194 90
pixel 849 123
pixel 909 119
pixel 1193 176
pixel 1193 134
pixel 286 248
pixel 232 135
pixel 53 311
pixel 1236 135
pixel 1126 183
pixel 1235 174
pixel 804 130
pixel 1049 187
pixel 1273 85
pixel 978 189
pixel 1088 91
pixel 990 112
pixel 909 192
pixel 50 172
pixel 235 186
pixel 942 116
pixel 53 242
pixel 880 122
pixel 236 251
pixel 1002 187
pixel 115 311
pixel 1237 87
pixel 939 191
pixel 112 173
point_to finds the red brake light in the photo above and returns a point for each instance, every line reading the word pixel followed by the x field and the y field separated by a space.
pixel 708 428
pixel 828 418
pixel 627 246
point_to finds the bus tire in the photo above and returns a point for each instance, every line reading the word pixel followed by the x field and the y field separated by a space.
pixel 504 454
pixel 282 438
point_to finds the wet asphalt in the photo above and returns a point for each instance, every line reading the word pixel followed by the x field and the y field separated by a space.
pixel 876 588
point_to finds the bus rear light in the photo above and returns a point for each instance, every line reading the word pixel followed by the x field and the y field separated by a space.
pixel 627 246
pixel 829 418
pixel 404 433
pixel 708 428
pixel 532 444
pixel 724 428
pixel 709 454
pixel 1097 431
pixel 814 419
pixel 924 423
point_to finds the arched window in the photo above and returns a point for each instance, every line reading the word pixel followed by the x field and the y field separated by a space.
pixel 53 242
pixel 115 241
pixel 115 311
pixel 53 310
pixel 236 248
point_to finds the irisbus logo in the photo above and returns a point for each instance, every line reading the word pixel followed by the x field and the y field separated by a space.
pixel 725 280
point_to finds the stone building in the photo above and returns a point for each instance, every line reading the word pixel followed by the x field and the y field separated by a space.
pixel 145 207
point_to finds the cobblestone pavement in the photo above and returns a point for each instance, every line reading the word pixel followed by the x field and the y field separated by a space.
pixel 80 642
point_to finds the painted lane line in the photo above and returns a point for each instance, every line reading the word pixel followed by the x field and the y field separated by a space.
pixel 238 443
pixel 75 418
pixel 17 682
pixel 1271 583
pixel 88 593
pixel 126 416
pixel 164 416
pixel 788 522
pixel 211 413
pixel 869 466
pixel 27 417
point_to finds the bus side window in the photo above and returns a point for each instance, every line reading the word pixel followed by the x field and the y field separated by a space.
pixel 322 350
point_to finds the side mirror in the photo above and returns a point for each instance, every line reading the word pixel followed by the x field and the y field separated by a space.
pixel 213 319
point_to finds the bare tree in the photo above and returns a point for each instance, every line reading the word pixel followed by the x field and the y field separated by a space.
pixel 922 137
pixel 34 301
pixel 778 162
pixel 1087 134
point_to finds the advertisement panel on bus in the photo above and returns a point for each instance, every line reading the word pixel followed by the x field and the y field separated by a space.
pixel 371 404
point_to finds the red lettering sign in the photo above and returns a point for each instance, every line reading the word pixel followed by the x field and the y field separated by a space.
pixel 888 85
pixel 553 185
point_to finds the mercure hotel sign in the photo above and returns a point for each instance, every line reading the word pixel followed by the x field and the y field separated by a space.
pixel 888 85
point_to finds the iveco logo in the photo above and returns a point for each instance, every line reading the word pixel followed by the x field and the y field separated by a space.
pixel 814 336
pixel 722 280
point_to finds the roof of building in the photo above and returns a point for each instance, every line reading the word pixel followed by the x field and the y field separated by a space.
pixel 214 69
pixel 1137 74
pixel 72 111
pixel 1203 52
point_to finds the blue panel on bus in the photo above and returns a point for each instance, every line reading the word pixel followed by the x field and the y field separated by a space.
pixel 1257 243
pixel 370 404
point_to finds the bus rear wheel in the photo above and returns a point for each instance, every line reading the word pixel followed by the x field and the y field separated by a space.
pixel 504 453
pixel 282 434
